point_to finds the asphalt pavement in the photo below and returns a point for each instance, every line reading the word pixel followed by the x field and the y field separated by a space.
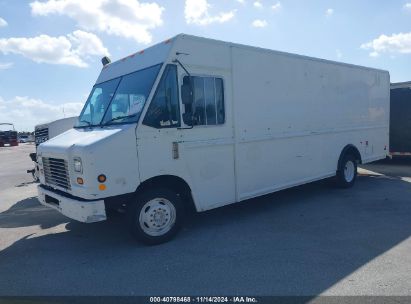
pixel 310 240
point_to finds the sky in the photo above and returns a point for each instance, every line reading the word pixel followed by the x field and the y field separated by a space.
pixel 50 50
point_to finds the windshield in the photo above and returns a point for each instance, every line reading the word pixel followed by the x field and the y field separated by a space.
pixel 119 100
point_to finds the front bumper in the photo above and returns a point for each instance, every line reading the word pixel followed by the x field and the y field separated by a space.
pixel 82 211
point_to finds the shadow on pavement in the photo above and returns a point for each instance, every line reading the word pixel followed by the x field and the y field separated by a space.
pixel 397 167
pixel 299 241
pixel 25 184
pixel 29 212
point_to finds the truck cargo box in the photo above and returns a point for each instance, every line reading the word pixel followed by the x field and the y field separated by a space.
pixel 400 119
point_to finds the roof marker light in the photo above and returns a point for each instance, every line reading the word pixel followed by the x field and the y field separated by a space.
pixel 105 60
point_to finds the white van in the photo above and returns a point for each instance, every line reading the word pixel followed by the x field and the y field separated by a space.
pixel 195 122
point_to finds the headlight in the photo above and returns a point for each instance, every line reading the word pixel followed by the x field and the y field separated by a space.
pixel 78 167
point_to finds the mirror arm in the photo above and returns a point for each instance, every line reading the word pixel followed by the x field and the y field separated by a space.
pixel 191 86
pixel 182 66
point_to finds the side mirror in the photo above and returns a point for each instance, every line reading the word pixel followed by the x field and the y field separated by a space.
pixel 186 94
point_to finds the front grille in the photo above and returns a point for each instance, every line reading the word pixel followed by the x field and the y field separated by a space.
pixel 41 135
pixel 56 172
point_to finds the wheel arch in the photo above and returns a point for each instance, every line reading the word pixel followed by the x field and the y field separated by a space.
pixel 350 149
pixel 172 182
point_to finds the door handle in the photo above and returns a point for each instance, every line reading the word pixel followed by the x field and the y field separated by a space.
pixel 175 150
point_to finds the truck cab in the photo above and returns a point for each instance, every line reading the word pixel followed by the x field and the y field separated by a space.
pixel 8 135
pixel 125 144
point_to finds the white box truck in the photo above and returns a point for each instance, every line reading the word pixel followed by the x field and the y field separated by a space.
pixel 44 132
pixel 195 122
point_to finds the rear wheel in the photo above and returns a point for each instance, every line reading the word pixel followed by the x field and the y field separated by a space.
pixel 347 171
pixel 155 216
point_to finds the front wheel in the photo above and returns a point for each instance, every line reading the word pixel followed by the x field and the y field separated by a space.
pixel 347 171
pixel 155 216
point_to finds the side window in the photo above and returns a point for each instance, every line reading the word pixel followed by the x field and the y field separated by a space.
pixel 208 105
pixel 164 111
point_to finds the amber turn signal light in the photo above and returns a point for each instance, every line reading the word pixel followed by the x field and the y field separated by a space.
pixel 80 181
pixel 102 187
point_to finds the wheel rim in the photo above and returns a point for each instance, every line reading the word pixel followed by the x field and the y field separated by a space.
pixel 157 216
pixel 349 171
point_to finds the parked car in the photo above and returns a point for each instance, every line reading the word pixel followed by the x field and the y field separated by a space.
pixel 23 138
pixel 199 123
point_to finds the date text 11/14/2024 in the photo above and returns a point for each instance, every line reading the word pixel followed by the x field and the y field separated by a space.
pixel 204 299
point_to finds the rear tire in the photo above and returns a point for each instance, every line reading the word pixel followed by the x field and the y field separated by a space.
pixel 347 171
pixel 155 216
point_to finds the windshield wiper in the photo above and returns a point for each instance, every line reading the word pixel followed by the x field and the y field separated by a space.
pixel 118 118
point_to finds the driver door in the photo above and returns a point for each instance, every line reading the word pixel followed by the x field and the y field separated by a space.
pixel 158 136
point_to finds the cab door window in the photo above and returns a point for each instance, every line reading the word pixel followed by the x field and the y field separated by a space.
pixel 208 100
pixel 164 110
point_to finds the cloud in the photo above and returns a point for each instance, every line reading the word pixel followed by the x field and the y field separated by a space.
pixel 277 6
pixel 407 6
pixel 27 112
pixel 241 1
pixel 329 12
pixel 396 43
pixel 72 49
pixel 124 18
pixel 3 22
pixel 374 54
pixel 259 23
pixel 338 53
pixel 5 65
pixel 258 4
pixel 197 12
pixel 87 44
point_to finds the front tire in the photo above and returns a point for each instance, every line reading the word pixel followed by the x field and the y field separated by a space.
pixel 155 216
pixel 347 171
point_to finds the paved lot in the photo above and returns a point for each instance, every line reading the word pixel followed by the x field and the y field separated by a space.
pixel 309 240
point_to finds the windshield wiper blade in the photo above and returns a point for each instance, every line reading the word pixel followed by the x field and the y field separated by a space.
pixel 118 118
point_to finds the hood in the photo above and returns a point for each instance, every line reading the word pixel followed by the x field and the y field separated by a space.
pixel 81 138
pixel 111 150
